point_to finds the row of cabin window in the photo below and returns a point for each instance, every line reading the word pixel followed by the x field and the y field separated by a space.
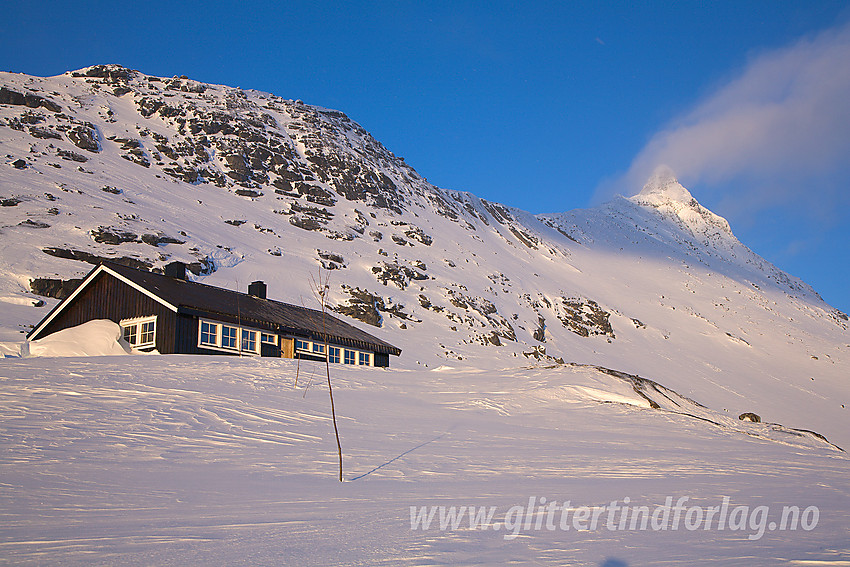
pixel 142 333
pixel 335 354
pixel 231 337
pixel 228 337
pixel 139 333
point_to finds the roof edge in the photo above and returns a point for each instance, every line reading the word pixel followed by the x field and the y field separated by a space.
pixel 89 277
pixel 87 281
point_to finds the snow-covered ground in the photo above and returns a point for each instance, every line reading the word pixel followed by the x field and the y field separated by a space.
pixel 180 460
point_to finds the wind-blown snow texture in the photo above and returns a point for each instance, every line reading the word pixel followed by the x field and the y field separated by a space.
pixel 111 163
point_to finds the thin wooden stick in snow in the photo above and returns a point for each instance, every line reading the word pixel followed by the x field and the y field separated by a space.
pixel 320 289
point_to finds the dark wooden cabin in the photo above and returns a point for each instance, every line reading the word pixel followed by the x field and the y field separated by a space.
pixel 171 314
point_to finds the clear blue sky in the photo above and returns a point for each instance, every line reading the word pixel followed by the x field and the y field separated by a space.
pixel 536 105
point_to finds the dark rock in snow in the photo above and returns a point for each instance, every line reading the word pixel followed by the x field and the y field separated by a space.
pixel 315 194
pixel 54 288
pixel 188 174
pixel 363 306
pixel 331 261
pixel 29 223
pixel 72 156
pixel 493 339
pixel 398 274
pixel 416 233
pixel 204 267
pixel 284 187
pixel 322 215
pixel 238 169
pixel 305 222
pixel 158 239
pixel 44 133
pixel 750 416
pixel 540 331
pixel 140 160
pixel 114 236
pixel 499 212
pixel 84 137
pixel 367 307
pixel 148 106
pixel 584 317
pixel 90 258
pixel 524 237
pixel 8 96
pixel 30 117
pixel 115 73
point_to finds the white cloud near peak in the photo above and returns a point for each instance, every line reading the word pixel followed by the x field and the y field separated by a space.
pixel 783 120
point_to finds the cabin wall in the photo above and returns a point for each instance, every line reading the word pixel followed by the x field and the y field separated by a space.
pixel 187 337
pixel 109 298
pixel 188 328
pixel 269 350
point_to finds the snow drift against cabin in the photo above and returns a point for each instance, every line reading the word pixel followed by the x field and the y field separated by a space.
pixel 99 337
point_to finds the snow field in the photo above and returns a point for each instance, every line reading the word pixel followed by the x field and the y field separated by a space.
pixel 223 461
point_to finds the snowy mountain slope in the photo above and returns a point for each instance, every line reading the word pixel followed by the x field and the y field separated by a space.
pixel 110 163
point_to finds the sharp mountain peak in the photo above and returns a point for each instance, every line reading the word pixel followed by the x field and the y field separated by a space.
pixel 663 182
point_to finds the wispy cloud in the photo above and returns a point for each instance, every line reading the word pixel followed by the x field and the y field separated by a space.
pixel 776 134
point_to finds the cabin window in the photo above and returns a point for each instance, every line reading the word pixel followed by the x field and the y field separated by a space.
pixel 249 340
pixel 140 333
pixel 209 333
pixel 228 336
pixel 147 333
pixel 333 354
pixel 220 336
pixel 314 350
pixel 130 334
